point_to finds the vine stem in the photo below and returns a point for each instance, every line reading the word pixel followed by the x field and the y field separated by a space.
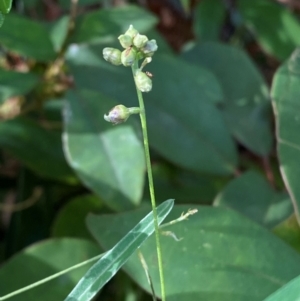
pixel 134 68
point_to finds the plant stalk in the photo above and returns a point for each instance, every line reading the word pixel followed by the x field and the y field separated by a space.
pixel 151 185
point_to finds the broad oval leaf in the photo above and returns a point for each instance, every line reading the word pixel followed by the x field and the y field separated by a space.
pixel 70 221
pixel 285 96
pixel 251 195
pixel 42 260
pixel 222 256
pixel 262 17
pixel 109 160
pixel 114 259
pixel 15 83
pixel 34 42
pixel 39 149
pixel 246 106
pixel 58 31
pixel 209 17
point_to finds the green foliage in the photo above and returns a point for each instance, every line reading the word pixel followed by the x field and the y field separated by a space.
pixel 16 83
pixel 225 72
pixel 65 224
pixel 173 126
pixel 221 255
pixel 43 260
pixel 19 137
pixel 263 205
pixel 114 259
pixel 5 7
pixel 285 95
pixel 210 17
pixel 289 292
pixel 246 104
pixel 117 150
pixel 275 27
pixel 33 43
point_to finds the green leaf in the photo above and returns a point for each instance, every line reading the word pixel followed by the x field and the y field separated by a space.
pixel 164 46
pixel 42 260
pixel 16 83
pixel 29 4
pixel 106 24
pixel 2 17
pixel 5 6
pixel 52 110
pixel 34 42
pixel 181 110
pixel 183 118
pixel 222 256
pixel 289 231
pixel 186 5
pixel 37 148
pixel 209 17
pixel 289 292
pixel 70 221
pixel 58 32
pixel 260 16
pixel 115 258
pixel 285 96
pixel 251 195
pixel 109 160
pixel 184 186
pixel 65 4
pixel 247 107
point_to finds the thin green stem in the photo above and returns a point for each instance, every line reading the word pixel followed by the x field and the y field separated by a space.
pixel 151 185
pixel 35 284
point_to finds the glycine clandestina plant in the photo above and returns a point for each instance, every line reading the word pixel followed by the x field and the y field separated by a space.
pixel 137 47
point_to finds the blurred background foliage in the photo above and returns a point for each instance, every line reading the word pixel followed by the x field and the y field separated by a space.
pixel 213 136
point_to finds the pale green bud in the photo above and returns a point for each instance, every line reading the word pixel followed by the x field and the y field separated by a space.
pixel 140 40
pixel 112 55
pixel 131 31
pixel 128 57
pixel 120 113
pixel 142 81
pixel 125 40
pixel 149 48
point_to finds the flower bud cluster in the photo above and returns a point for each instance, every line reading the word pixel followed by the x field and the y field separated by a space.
pixel 136 47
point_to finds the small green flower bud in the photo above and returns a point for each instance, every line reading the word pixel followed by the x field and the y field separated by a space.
pixel 131 31
pixel 149 48
pixel 142 81
pixel 120 113
pixel 125 40
pixel 140 40
pixel 112 55
pixel 128 57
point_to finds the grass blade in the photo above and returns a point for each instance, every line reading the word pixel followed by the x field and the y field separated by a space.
pixel 112 261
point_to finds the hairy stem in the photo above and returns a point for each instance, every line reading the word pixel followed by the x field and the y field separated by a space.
pixel 151 185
